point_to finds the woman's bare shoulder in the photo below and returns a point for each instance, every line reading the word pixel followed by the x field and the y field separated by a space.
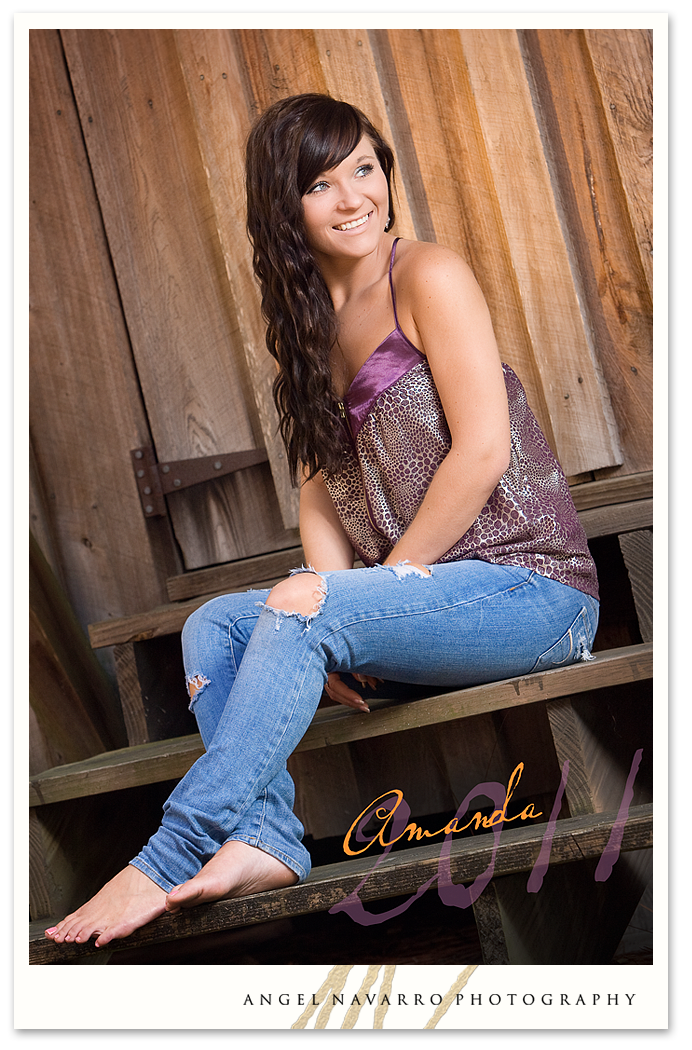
pixel 428 270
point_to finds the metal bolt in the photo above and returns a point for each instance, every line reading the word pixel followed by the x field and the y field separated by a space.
pixel 140 473
pixel 580 379
pixel 566 397
pixel 165 468
pixel 218 465
pixel 176 482
pixel 149 509
pixel 360 43
pixel 223 75
pixel 201 76
pixel 147 491
pixel 329 52
pixel 138 454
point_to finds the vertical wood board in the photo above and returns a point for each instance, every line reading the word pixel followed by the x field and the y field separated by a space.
pixel 623 65
pixel 85 409
pixel 613 290
pixel 214 84
pixel 463 205
pixel 154 196
pixel 576 396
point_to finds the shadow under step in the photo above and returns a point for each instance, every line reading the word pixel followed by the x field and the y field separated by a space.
pixel 575 839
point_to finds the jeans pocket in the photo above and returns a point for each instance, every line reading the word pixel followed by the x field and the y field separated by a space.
pixel 575 644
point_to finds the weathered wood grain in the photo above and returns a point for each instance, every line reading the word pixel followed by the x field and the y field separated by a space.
pixel 130 692
pixel 144 153
pixel 576 122
pixel 40 903
pixel 213 80
pixel 615 489
pixel 620 517
pixel 623 66
pixel 488 916
pixel 577 399
pixel 168 759
pixel 566 728
pixel 69 694
pixel 451 162
pixel 638 552
pixel 237 575
pixel 400 873
pixel 85 409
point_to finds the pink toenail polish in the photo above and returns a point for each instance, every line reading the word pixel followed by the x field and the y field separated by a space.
pixel 52 929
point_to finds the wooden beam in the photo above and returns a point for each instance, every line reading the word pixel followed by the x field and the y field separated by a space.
pixel 622 517
pixel 169 759
pixel 622 488
pixel 575 839
pixel 235 575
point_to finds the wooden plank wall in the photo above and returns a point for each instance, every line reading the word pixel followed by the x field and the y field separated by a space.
pixel 527 152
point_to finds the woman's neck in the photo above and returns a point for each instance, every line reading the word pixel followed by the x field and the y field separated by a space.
pixel 348 279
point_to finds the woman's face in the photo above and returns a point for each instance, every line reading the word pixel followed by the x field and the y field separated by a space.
pixel 347 208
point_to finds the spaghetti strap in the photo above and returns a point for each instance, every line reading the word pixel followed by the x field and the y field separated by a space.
pixel 391 283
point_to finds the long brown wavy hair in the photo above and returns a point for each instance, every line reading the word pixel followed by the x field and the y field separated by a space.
pixel 293 142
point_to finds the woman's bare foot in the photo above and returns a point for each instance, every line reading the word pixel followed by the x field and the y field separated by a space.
pixel 128 901
pixel 235 871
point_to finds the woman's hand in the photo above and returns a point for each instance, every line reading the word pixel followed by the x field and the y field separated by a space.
pixel 337 690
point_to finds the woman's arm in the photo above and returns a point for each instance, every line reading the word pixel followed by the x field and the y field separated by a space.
pixel 452 326
pixel 325 543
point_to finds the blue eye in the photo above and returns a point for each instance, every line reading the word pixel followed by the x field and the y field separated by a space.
pixel 317 188
pixel 365 169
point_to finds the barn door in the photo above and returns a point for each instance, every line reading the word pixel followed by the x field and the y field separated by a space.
pixel 514 149
pixel 205 394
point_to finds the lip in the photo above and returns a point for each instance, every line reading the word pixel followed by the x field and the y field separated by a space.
pixel 362 221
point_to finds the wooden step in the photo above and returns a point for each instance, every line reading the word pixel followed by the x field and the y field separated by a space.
pixel 608 520
pixel 170 759
pixel 575 839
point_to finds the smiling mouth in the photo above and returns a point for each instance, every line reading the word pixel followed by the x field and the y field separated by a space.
pixel 353 225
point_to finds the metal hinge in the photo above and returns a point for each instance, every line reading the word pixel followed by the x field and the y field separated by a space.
pixel 156 480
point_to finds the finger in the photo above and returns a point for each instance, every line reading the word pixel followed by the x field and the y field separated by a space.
pixel 341 694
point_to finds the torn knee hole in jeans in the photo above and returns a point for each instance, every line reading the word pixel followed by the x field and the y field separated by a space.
pixel 288 595
pixel 195 684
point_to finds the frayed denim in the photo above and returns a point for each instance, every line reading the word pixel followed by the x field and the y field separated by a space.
pixel 256 674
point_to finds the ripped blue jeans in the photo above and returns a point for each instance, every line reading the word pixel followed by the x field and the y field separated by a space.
pixel 257 675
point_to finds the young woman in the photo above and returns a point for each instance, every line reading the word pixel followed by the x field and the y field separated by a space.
pixel 417 452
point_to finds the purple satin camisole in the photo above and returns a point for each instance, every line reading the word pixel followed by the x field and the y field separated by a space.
pixel 398 437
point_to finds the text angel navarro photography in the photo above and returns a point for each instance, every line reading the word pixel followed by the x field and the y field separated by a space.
pixel 437 998
pixel 332 995
pixel 393 812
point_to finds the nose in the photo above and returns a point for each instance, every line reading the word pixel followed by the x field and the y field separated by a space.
pixel 350 197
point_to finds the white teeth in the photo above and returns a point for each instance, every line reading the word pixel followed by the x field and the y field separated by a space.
pixel 352 225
